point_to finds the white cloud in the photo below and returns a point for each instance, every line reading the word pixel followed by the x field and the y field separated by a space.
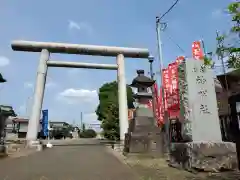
pixel 78 93
pixel 22 109
pixel 91 121
pixel 83 26
pixel 28 85
pixel 73 25
pixel 4 61
pixel 50 85
pixel 25 108
pixel 73 96
pixel 217 13
pixel 91 118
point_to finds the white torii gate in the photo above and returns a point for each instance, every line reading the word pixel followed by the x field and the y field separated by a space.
pixel 48 47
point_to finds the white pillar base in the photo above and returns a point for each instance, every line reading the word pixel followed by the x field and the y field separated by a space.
pixel 49 145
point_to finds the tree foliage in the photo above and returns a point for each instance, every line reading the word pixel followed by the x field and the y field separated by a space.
pixel 229 45
pixel 107 110
pixel 88 133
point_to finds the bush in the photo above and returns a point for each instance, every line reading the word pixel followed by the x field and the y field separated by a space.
pixel 88 133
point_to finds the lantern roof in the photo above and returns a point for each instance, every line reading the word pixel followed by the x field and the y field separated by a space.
pixel 141 80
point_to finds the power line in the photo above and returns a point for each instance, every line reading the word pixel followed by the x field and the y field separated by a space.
pixel 174 4
pixel 174 42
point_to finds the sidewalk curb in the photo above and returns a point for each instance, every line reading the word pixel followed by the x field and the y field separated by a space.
pixel 122 159
pixel 118 155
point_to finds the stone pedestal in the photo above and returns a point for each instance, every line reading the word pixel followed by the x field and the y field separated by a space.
pixel 143 136
pixel 204 156
pixel 34 145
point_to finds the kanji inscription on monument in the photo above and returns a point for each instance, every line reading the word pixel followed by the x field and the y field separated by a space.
pixel 202 102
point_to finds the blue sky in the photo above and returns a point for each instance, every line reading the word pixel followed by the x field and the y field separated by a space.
pixel 129 23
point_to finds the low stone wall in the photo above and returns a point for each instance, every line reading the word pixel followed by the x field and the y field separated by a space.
pixel 203 156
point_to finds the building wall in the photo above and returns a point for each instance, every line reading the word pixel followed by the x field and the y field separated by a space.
pixel 23 127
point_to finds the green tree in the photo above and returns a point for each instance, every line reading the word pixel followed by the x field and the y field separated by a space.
pixel 88 133
pixel 229 46
pixel 107 110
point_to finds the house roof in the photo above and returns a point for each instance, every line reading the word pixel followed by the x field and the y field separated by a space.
pixel 21 120
pixel 25 120
pixel 231 76
pixel 58 122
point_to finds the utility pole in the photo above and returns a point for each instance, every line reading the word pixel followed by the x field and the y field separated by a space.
pixel 160 54
pixel 165 133
pixel 81 119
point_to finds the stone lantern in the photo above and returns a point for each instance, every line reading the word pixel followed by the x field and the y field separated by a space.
pixel 143 85
pixel 143 133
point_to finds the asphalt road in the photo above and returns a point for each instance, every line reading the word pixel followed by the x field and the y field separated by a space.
pixel 74 160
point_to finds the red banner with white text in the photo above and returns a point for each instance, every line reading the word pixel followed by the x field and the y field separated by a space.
pixel 161 106
pixel 157 108
pixel 166 86
pixel 174 98
pixel 157 105
pixel 180 59
pixel 197 52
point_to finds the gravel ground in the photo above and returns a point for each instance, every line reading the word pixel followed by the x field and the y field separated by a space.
pixel 157 169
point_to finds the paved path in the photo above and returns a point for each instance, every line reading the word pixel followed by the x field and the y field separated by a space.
pixel 75 162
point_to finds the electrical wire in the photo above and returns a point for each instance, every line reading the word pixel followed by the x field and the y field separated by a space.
pixel 174 42
pixel 169 10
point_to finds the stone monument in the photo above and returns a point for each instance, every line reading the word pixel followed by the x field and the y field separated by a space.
pixel 143 134
pixel 200 146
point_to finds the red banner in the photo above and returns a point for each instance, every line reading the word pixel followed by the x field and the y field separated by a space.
pixel 157 108
pixel 170 89
pixel 157 105
pixel 175 88
pixel 149 104
pixel 166 86
pixel 161 107
pixel 173 99
pixel 197 51
pixel 180 59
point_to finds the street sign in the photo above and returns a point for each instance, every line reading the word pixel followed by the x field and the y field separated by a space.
pixel 45 122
